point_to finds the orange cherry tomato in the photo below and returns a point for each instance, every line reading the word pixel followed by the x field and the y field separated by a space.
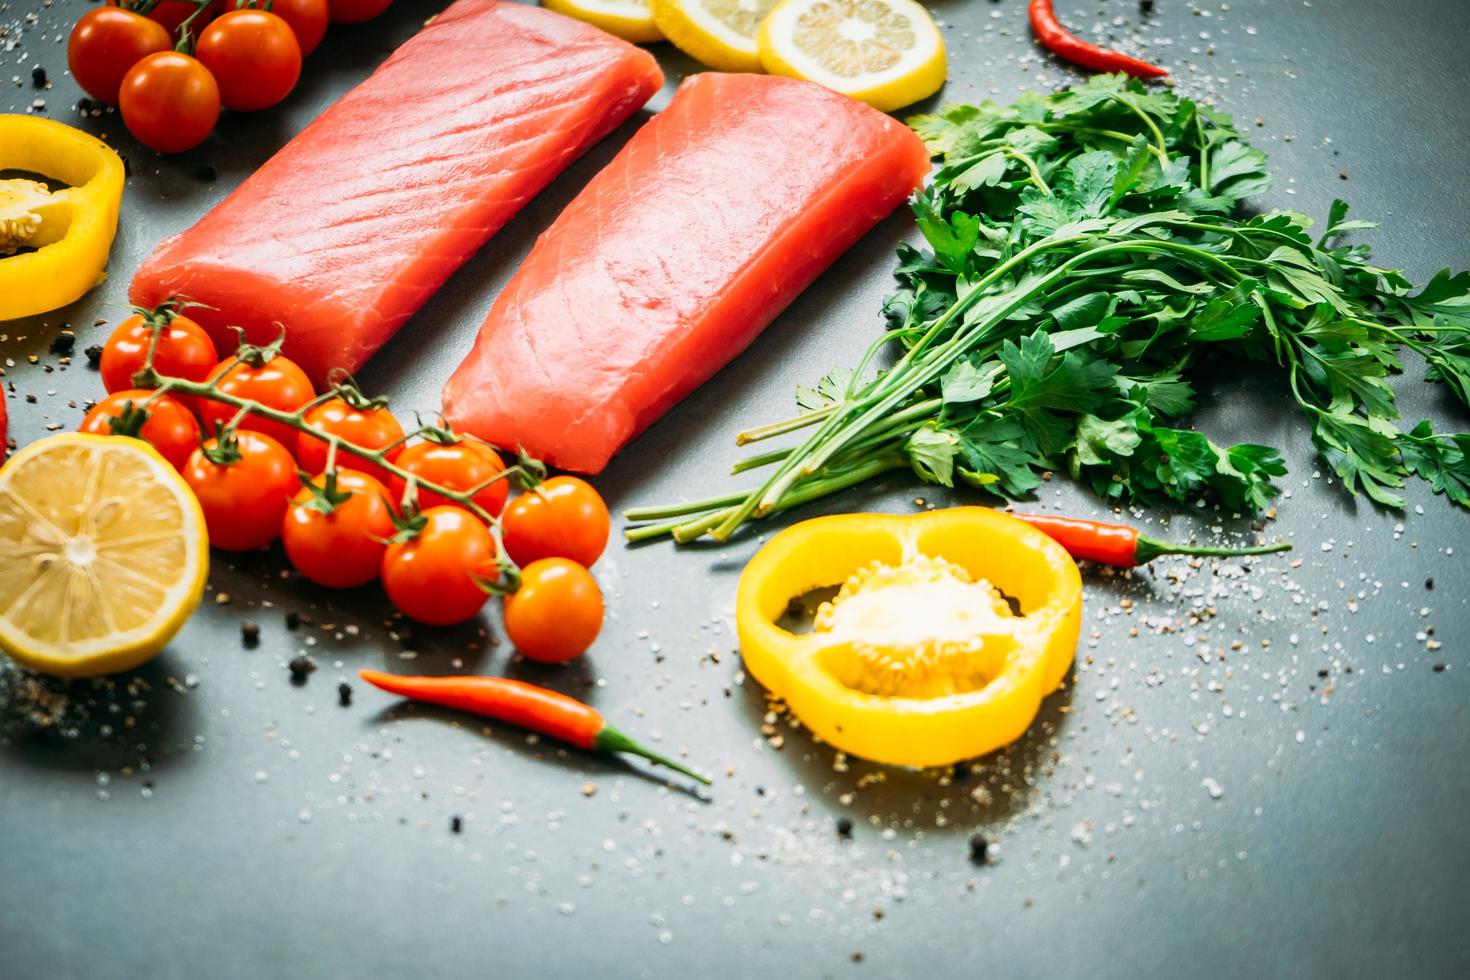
pixel 429 577
pixel 343 548
pixel 244 489
pixel 184 351
pixel 562 518
pixel 253 55
pixel 368 427
pixel 462 465
pixel 105 43
pixel 556 613
pixel 277 383
pixel 169 427
pixel 169 101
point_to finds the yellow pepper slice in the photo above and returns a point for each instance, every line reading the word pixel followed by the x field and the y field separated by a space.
pixel 70 230
pixel 921 659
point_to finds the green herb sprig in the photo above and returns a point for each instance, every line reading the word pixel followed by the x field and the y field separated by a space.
pixel 1084 248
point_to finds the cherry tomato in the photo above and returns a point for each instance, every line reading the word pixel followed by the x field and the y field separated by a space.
pixel 278 383
pixel 169 101
pixel 105 43
pixel 356 11
pixel 556 613
pixel 308 20
pixel 184 351
pixel 459 466
pixel 172 14
pixel 170 427
pixel 254 57
pixel 245 498
pixel 429 577
pixel 371 428
pixel 562 518
pixel 342 549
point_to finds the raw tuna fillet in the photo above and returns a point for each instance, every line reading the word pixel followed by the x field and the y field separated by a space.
pixel 712 219
pixel 346 231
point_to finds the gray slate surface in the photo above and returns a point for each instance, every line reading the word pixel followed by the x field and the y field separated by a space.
pixel 206 818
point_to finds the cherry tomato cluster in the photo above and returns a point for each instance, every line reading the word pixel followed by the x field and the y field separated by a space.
pixel 429 513
pixel 171 65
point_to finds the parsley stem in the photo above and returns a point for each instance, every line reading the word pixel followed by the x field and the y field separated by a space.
pixel 641 514
pixel 1030 165
pixel 784 426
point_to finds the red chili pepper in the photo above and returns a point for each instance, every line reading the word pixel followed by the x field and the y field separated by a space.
pixel 1064 44
pixel 525 706
pixel 1118 544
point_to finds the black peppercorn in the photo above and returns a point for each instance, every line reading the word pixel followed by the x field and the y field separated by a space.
pixel 300 666
pixel 250 633
pixel 38 77
pixel 844 827
pixel 979 847
pixel 344 694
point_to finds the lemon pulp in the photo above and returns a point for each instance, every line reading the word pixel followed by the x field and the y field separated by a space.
pixel 631 20
pixel 718 33
pixel 103 554
pixel 887 53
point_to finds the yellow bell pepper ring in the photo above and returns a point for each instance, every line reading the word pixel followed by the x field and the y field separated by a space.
pixel 949 628
pixel 54 244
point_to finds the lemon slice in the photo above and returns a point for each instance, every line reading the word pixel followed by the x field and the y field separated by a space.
pixel 630 20
pixel 103 554
pixel 887 53
pixel 718 33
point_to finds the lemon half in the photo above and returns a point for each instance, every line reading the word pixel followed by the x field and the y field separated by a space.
pixel 630 20
pixel 718 33
pixel 887 53
pixel 103 554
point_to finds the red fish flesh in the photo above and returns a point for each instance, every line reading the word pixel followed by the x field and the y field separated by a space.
pixel 347 230
pixel 713 218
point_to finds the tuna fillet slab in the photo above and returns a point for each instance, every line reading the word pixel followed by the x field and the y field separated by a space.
pixel 712 219
pixel 347 230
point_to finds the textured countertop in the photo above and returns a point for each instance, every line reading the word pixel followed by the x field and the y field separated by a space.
pixel 1258 770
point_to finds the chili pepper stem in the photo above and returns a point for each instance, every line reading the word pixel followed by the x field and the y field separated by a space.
pixel 611 739
pixel 1148 549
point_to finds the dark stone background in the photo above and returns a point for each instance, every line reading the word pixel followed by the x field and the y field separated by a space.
pixel 206 818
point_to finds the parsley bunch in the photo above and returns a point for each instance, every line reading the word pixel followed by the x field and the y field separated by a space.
pixel 1083 249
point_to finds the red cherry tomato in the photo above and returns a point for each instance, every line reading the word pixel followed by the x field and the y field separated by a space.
pixel 170 427
pixel 184 350
pixel 562 518
pixel 278 384
pixel 244 499
pixel 429 577
pixel 308 20
pixel 371 428
pixel 356 11
pixel 462 465
pixel 344 548
pixel 169 101
pixel 254 57
pixel 556 613
pixel 105 43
